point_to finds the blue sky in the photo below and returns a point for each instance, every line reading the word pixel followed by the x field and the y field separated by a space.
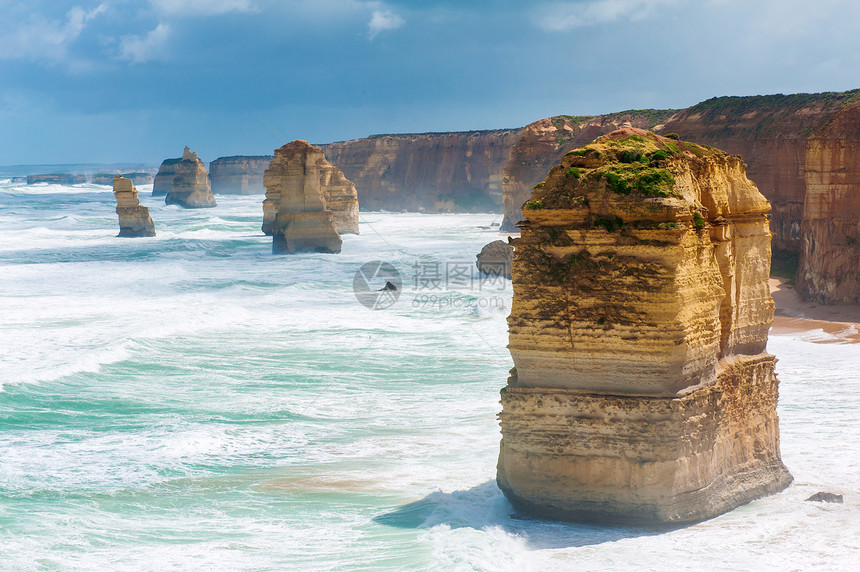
pixel 136 80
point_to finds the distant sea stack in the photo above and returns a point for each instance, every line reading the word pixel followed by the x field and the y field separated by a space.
pixel 190 185
pixel 134 219
pixel 164 177
pixel 642 391
pixel 340 195
pixel 239 175
pixel 298 183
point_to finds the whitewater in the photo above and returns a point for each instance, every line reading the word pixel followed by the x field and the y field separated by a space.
pixel 190 401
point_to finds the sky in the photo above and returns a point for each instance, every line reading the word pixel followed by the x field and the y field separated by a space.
pixel 104 81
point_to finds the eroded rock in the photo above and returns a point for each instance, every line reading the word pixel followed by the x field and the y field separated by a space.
pixel 190 185
pixel 495 259
pixel 134 219
pixel 826 497
pixel 308 201
pixel 642 391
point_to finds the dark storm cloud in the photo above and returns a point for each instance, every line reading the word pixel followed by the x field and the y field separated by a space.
pixel 215 72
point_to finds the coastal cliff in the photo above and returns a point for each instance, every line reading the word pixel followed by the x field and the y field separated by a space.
pixel 541 145
pixel 642 391
pixel 238 175
pixel 801 152
pixel 134 219
pixel 429 172
pixel 190 185
pixel 297 182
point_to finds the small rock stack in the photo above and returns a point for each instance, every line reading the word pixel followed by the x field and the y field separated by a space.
pixel 134 219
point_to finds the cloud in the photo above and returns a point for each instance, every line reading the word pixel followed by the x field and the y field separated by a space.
pixel 141 49
pixel 382 20
pixel 46 40
pixel 562 16
pixel 202 7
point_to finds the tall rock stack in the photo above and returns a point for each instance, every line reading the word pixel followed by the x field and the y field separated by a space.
pixel 298 183
pixel 339 192
pixel 190 186
pixel 641 391
pixel 134 219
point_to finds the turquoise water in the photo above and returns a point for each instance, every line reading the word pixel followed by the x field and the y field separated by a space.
pixel 191 401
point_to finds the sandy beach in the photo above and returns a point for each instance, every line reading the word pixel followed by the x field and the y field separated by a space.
pixel 838 324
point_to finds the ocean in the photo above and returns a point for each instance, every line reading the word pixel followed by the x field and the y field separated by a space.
pixel 191 401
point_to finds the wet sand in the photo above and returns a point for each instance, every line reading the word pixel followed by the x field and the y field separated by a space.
pixel 842 322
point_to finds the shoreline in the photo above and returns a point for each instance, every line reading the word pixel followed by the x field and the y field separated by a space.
pixel 840 324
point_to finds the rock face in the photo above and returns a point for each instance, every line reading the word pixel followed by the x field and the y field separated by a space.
pixel 641 391
pixel 430 172
pixel 134 219
pixel 164 178
pixel 239 175
pixel 57 179
pixel 802 154
pixel 190 185
pixel 340 196
pixel 496 259
pixel 541 145
pixel 138 178
pixel 295 192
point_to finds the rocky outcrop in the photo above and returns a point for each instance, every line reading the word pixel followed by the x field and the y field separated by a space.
pixel 495 259
pixel 164 178
pixel 341 198
pixel 134 219
pixel 294 190
pixel 238 175
pixel 190 186
pixel 541 145
pixel 801 151
pixel 429 172
pixel 642 391
pixel 57 179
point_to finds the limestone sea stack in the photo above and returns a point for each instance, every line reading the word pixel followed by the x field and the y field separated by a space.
pixel 164 177
pixel 642 391
pixel 339 192
pixel 298 186
pixel 134 219
pixel 190 186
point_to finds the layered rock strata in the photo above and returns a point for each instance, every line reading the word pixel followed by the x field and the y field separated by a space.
pixel 339 193
pixel 802 154
pixel 190 185
pixel 542 144
pixel 642 391
pixel 134 219
pixel 294 191
pixel 427 172
pixel 238 175
pixel 164 177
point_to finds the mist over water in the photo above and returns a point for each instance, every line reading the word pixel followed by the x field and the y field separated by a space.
pixel 191 401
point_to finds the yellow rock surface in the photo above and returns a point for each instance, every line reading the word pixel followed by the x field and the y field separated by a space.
pixel 640 292
pixel 134 219
pixel 341 198
pixel 299 182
